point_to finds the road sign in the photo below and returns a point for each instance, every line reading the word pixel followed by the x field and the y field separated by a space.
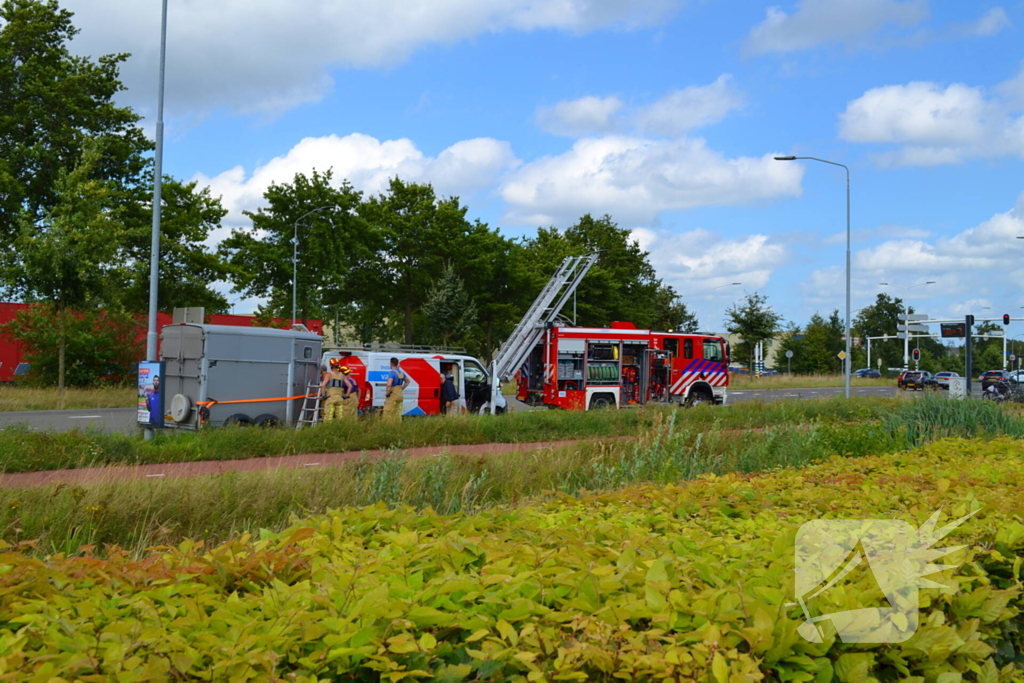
pixel 1013 357
pixel 842 355
pixel 993 333
pixel 918 328
pixel 913 316
pixel 901 335
pixel 953 330
pixel 789 353
pixel 957 387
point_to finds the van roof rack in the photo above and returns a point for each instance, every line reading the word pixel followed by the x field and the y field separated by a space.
pixel 386 347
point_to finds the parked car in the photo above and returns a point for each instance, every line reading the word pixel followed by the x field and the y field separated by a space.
pixel 916 379
pixel 867 372
pixel 940 380
pixel 900 384
pixel 1017 376
pixel 991 377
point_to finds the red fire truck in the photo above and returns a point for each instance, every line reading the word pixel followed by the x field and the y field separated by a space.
pixel 580 368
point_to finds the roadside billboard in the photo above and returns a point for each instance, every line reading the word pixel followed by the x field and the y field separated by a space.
pixel 151 397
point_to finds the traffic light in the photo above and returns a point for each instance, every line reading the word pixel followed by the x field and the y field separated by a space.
pixel 917 354
pixel 1006 318
pixel 969 319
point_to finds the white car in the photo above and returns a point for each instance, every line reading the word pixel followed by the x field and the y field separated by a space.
pixel 1017 376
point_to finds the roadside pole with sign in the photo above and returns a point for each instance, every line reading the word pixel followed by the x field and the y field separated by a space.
pixel 789 361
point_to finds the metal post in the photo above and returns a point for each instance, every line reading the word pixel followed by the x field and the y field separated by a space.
pixel 1004 350
pixel 906 337
pixel 869 352
pixel 295 257
pixel 158 170
pixel 848 340
pixel 967 353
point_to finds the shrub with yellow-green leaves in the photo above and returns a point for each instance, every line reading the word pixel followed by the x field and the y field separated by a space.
pixel 666 583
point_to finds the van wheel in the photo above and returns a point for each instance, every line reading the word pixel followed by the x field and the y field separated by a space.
pixel 238 419
pixel 267 420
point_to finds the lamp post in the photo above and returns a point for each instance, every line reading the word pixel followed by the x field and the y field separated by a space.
pixel 730 284
pixel 847 360
pixel 906 314
pixel 158 169
pixel 295 257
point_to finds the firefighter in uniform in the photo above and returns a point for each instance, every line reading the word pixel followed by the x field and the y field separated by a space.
pixel 393 394
pixel 338 386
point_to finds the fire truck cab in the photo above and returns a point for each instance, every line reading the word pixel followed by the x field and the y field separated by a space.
pixel 425 370
pixel 581 368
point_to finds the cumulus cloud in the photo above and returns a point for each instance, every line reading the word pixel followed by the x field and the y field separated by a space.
pixel 982 262
pixel 368 164
pixel 267 56
pixel 851 22
pixel 936 124
pixel 693 107
pixel 674 115
pixel 576 118
pixel 634 179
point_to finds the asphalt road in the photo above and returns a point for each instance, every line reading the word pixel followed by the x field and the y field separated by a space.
pixel 124 419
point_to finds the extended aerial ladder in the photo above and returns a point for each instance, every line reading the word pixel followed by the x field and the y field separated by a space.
pixel 545 309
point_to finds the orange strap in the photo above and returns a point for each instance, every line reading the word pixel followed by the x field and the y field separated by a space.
pixel 252 400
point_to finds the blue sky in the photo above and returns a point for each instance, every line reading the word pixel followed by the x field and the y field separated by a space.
pixel 663 113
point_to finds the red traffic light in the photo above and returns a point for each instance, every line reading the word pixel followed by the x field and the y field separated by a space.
pixel 917 354
pixel 1006 318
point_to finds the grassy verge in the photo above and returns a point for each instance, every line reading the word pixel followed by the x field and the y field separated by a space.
pixel 138 514
pixel 14 399
pixel 24 450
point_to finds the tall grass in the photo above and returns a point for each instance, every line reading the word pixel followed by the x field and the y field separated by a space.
pixel 142 513
pixel 785 381
pixel 15 399
pixel 25 450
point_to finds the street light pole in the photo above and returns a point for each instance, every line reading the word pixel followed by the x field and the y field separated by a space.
pixel 847 360
pixel 713 304
pixel 158 170
pixel 295 258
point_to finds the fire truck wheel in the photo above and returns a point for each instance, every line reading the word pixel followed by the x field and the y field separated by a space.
pixel 240 419
pixel 267 420
pixel 697 398
pixel 601 401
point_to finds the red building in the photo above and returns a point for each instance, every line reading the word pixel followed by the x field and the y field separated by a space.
pixel 12 356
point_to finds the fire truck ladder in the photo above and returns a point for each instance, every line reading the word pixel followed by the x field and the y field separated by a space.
pixel 310 413
pixel 544 310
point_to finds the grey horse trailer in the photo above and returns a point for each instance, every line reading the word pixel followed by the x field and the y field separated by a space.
pixel 221 374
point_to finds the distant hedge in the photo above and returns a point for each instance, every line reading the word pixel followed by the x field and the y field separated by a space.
pixel 666 583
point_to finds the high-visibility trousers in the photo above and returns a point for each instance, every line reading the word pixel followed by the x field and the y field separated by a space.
pixel 334 407
pixel 393 405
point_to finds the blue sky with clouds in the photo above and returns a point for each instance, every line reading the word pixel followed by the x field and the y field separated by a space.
pixel 663 113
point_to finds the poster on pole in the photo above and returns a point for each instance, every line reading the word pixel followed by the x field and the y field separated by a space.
pixel 151 397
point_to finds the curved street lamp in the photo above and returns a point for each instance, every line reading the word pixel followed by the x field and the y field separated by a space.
pixel 295 257
pixel 847 361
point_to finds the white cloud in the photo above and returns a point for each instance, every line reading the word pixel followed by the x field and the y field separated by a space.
pixel 989 24
pixel 982 263
pixel 267 56
pixel 634 179
pixel 936 124
pixel 576 118
pixel 368 164
pixel 693 107
pixel 851 22
pixel 888 231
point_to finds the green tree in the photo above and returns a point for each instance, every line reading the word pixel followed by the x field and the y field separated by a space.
pixel 449 310
pixel 876 320
pixel 754 321
pixel 336 249
pixel 622 285
pixel 67 258
pixel 671 313
pixel 51 104
pixel 187 267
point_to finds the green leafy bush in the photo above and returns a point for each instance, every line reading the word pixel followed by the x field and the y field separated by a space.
pixel 656 583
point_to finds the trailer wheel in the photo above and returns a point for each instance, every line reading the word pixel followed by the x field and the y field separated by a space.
pixel 267 420
pixel 239 419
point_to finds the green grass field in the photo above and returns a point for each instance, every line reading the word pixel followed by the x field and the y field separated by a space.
pixel 15 399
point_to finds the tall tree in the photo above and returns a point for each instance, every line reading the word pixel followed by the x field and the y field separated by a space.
pixel 754 321
pixel 51 103
pixel 67 257
pixel 336 249
pixel 449 310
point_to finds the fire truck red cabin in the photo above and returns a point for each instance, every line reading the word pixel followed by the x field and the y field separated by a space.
pixel 581 368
